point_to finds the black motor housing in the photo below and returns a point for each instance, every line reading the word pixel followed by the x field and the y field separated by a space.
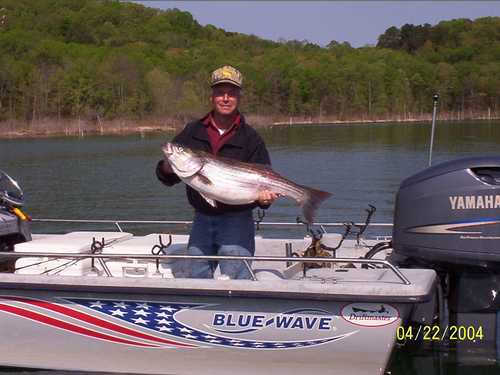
pixel 13 230
pixel 449 214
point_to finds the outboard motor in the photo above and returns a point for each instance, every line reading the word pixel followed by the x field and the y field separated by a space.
pixel 449 214
pixel 447 217
pixel 14 224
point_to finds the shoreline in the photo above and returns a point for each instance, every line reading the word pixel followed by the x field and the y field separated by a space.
pixel 48 128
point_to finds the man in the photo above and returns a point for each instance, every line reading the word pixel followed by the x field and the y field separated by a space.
pixel 224 229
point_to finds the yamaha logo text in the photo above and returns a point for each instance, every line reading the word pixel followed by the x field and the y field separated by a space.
pixel 474 202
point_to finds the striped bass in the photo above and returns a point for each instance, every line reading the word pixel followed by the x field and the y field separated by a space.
pixel 233 182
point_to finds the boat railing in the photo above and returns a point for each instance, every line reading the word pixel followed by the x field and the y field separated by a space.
pixel 189 222
pixel 246 259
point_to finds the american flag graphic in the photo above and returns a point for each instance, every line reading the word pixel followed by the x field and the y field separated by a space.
pixel 137 323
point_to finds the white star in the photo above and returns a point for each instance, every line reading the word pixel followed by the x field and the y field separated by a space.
pixel 209 337
pixel 120 305
pixel 140 321
pixel 163 321
pixel 168 308
pixel 118 312
pixel 238 344
pixel 163 315
pixel 215 341
pixel 235 341
pixel 141 312
pixel 185 330
pixel 143 305
pixel 162 328
pixel 97 304
pixel 259 346
pixel 188 336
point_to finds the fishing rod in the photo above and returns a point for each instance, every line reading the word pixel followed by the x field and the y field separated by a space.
pixel 435 99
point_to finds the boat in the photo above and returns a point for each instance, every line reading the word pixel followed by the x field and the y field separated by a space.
pixel 335 300
pixel 117 302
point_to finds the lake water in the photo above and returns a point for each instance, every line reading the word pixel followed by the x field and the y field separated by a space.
pixel 111 177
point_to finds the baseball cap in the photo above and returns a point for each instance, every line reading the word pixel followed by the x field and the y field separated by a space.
pixel 226 74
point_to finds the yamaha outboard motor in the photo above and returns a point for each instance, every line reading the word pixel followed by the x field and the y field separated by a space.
pixel 14 224
pixel 450 214
pixel 447 217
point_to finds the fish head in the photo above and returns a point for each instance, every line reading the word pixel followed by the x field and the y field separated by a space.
pixel 177 152
pixel 184 161
pixel 170 149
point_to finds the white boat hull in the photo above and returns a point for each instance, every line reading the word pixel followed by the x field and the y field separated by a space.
pixel 61 313
pixel 58 331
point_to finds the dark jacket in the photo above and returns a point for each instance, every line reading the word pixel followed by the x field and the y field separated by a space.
pixel 245 145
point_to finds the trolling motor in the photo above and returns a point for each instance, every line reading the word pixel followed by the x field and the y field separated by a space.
pixel 14 223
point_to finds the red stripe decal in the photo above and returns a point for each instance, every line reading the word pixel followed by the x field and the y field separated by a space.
pixel 95 320
pixel 67 326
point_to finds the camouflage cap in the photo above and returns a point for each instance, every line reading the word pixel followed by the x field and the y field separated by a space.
pixel 226 74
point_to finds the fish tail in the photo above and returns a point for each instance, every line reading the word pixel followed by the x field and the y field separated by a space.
pixel 311 201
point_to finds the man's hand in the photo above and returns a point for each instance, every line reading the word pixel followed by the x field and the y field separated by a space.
pixel 166 168
pixel 267 197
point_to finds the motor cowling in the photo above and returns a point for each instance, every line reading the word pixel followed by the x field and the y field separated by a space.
pixel 449 214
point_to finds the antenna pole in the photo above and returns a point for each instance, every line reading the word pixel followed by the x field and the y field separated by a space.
pixel 435 99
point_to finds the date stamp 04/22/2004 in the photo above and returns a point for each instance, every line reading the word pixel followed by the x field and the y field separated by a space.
pixel 438 333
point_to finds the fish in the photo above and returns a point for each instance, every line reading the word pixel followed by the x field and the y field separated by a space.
pixel 219 179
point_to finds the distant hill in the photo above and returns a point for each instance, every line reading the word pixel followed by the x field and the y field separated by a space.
pixel 103 59
pixel 450 41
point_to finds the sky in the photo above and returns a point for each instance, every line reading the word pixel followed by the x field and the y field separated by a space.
pixel 357 22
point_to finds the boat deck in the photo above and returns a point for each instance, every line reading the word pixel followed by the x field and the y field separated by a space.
pixel 119 261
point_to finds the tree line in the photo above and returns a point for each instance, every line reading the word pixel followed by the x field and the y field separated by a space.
pixel 105 59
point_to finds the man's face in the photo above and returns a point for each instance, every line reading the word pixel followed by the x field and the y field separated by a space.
pixel 225 98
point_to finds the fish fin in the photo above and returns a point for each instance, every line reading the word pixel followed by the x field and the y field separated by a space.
pixel 204 178
pixel 210 201
pixel 312 200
